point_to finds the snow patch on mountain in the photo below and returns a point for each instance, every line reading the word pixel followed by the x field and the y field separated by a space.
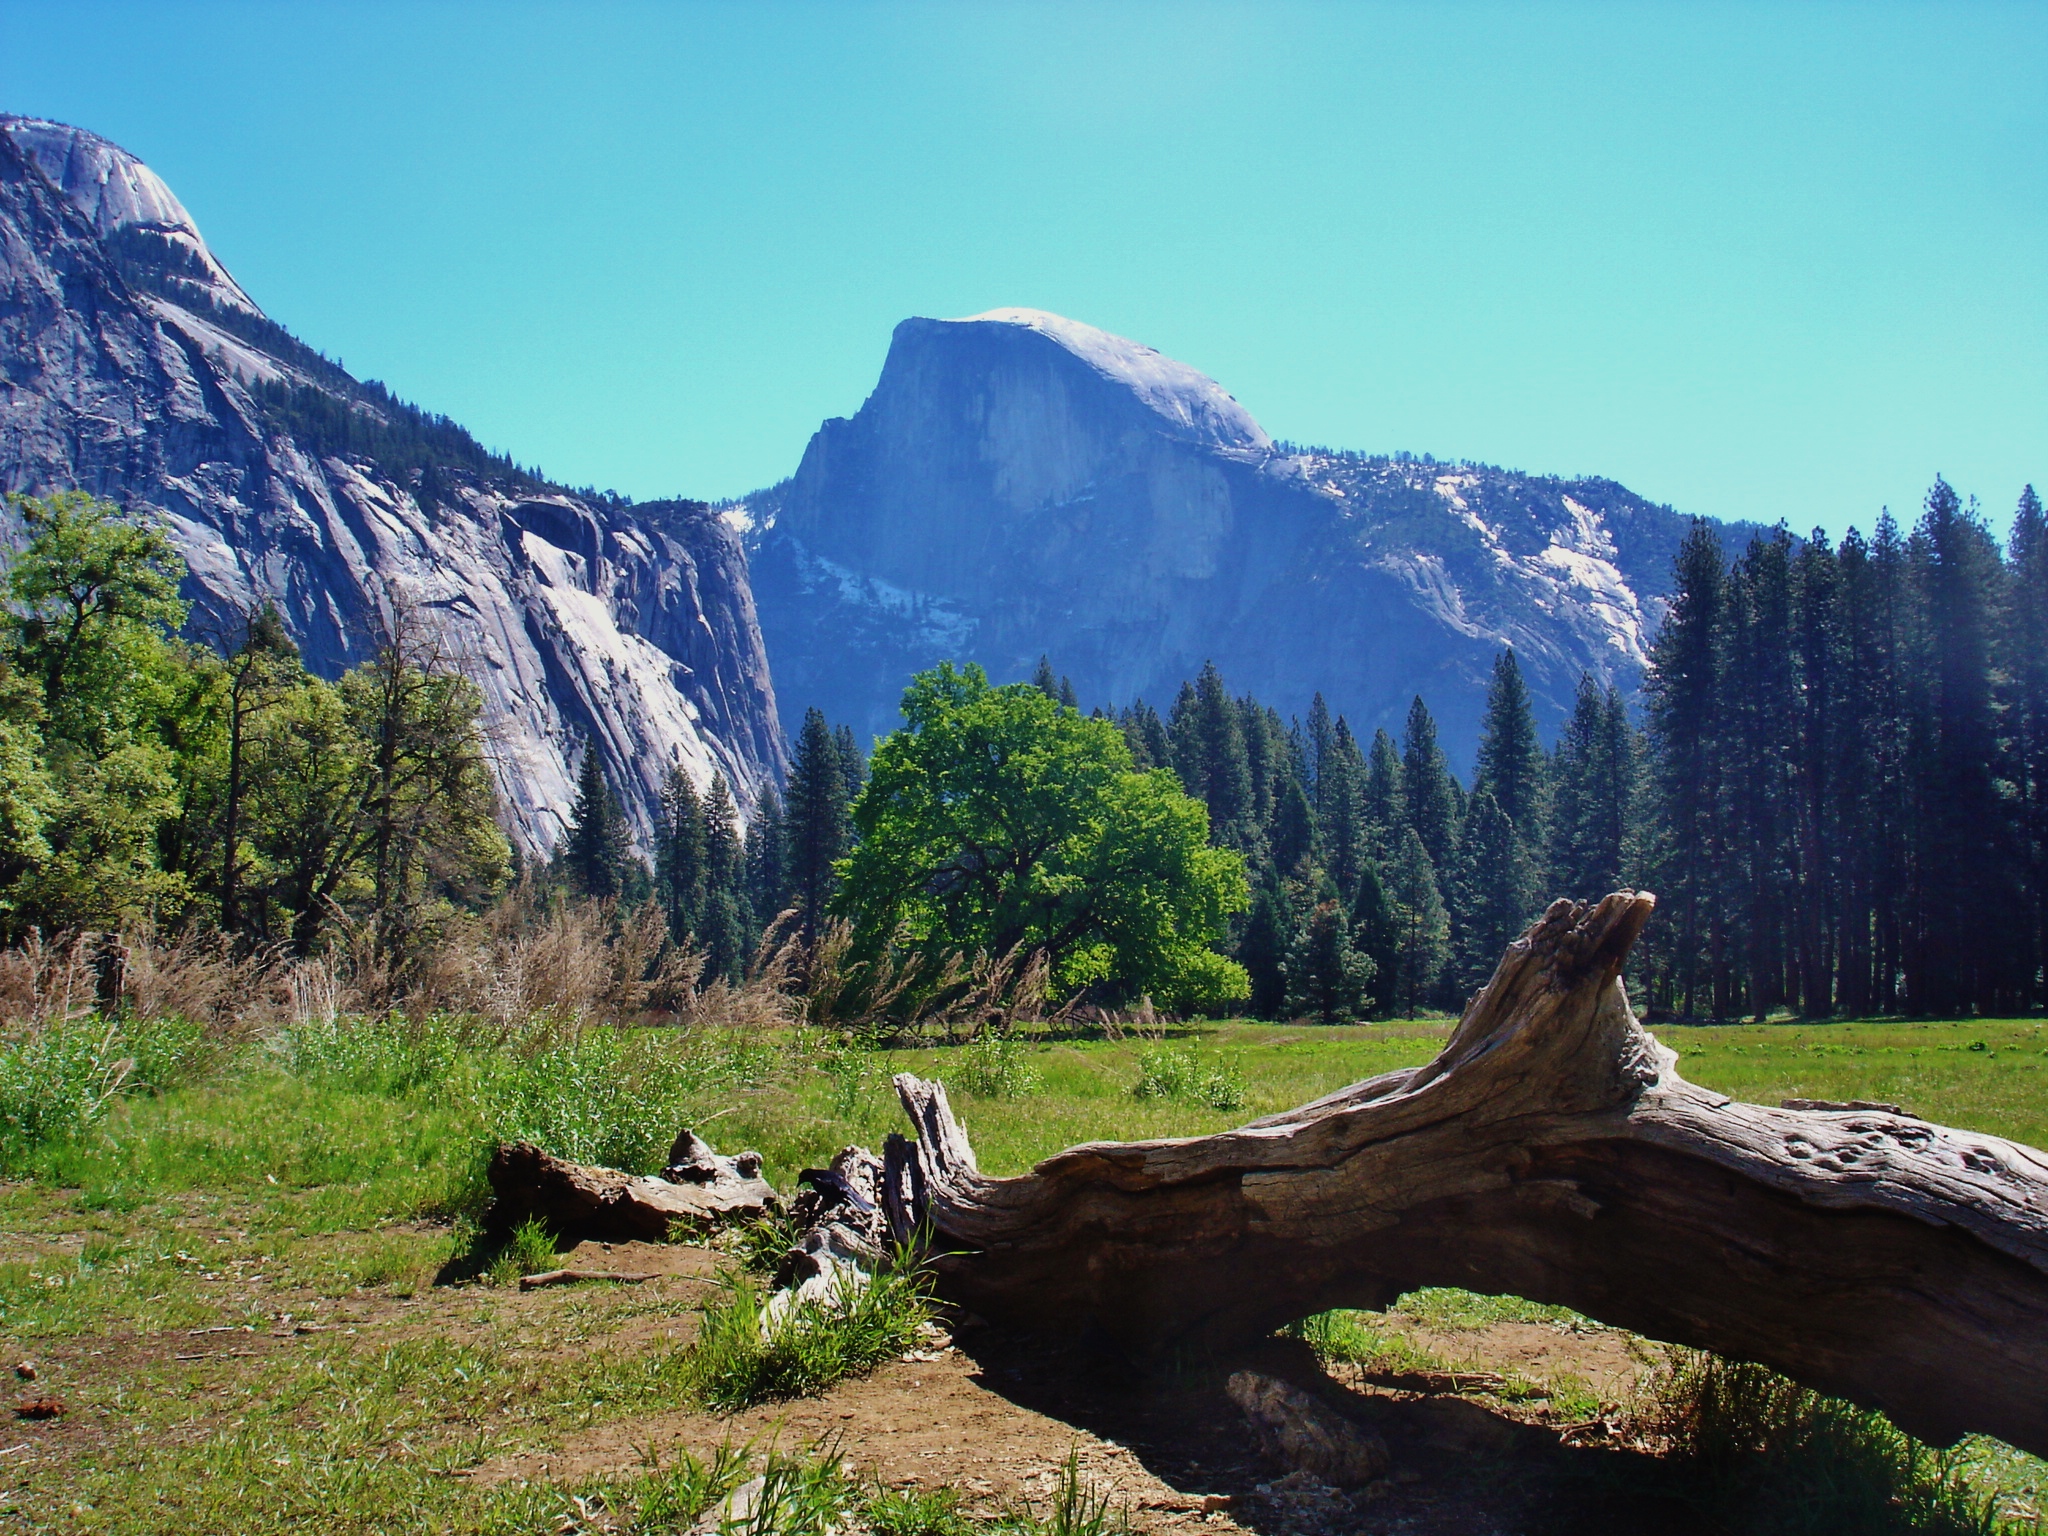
pixel 1193 402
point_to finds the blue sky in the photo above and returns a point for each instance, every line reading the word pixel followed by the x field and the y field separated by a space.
pixel 1756 261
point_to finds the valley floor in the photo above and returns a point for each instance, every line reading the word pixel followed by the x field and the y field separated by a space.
pixel 255 1297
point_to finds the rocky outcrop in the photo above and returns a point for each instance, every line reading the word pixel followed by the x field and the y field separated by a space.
pixel 1021 484
pixel 132 365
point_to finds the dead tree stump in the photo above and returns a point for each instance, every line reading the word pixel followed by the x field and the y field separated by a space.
pixel 1551 1151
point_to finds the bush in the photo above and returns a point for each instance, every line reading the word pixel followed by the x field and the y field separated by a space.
pixel 992 1066
pixel 1184 1072
pixel 743 1356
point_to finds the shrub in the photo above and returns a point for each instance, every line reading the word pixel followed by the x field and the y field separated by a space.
pixel 992 1066
pixel 744 1356
pixel 1184 1072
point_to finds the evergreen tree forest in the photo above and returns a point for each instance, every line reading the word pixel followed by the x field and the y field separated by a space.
pixel 1838 789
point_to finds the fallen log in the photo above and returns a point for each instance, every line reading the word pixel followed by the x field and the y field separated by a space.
pixel 1551 1151
pixel 575 1200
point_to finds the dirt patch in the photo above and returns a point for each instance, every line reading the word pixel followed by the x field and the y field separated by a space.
pixel 997 1415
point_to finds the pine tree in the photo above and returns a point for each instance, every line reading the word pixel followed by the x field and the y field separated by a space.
pixel 1145 734
pixel 1817 828
pixel 1423 926
pixel 1684 688
pixel 1346 838
pixel 1321 738
pixel 1431 793
pixel 1327 979
pixel 1292 838
pixel 1386 800
pixel 1376 933
pixel 1495 882
pixel 1042 678
pixel 1595 795
pixel 679 855
pixel 723 934
pixel 2026 666
pixel 853 763
pixel 1961 943
pixel 767 855
pixel 597 844
pixel 1209 752
pixel 1262 951
pixel 1510 762
pixel 818 827
pixel 1758 748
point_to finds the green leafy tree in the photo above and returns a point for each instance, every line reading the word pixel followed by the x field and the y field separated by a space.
pixel 996 819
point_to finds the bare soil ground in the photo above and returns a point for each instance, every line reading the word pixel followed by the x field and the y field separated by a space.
pixel 997 1415
pixel 991 1414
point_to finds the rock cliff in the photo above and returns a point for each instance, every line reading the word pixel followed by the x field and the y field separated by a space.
pixel 1020 484
pixel 134 366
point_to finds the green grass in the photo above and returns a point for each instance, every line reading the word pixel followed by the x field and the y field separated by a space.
pixel 329 1177
pixel 1976 1074
pixel 746 1355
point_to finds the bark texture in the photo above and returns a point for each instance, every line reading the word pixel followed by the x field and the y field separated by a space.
pixel 1550 1151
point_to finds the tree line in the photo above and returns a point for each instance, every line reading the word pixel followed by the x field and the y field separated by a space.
pixel 222 785
pixel 1838 787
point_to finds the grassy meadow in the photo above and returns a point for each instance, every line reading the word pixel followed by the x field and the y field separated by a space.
pixel 257 1281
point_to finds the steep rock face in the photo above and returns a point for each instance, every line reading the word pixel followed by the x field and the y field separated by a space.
pixel 1021 484
pixel 132 365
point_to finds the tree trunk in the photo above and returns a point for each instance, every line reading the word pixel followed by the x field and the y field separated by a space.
pixel 1550 1151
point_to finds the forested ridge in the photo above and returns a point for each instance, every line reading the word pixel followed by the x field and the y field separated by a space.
pixel 1837 784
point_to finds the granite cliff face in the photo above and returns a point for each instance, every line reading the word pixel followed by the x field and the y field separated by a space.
pixel 1021 484
pixel 133 366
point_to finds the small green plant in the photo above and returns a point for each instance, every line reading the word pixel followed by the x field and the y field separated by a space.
pixel 805 1495
pixel 850 1068
pixel 1073 1510
pixel 745 1354
pixel 669 1500
pixel 1184 1072
pixel 760 1244
pixel 992 1066
pixel 915 1512
pixel 529 1250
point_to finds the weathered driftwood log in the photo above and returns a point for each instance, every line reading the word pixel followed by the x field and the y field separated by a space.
pixel 575 1200
pixel 1552 1151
